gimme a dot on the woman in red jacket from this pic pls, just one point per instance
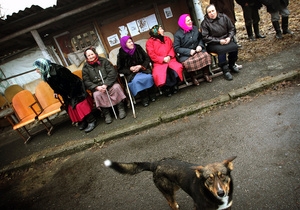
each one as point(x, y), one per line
point(167, 71)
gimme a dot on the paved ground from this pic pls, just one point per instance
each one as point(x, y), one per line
point(262, 130)
point(67, 139)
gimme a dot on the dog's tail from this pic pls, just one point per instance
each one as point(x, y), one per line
point(129, 168)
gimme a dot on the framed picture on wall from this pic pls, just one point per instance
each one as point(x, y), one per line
point(168, 12)
point(113, 40)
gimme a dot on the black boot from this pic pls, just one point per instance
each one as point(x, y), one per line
point(82, 125)
point(225, 69)
point(256, 31)
point(152, 93)
point(121, 109)
point(107, 115)
point(285, 26)
point(90, 126)
point(277, 29)
point(144, 97)
point(250, 33)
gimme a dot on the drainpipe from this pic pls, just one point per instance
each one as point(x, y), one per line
point(198, 11)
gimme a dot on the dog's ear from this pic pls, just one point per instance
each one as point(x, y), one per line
point(198, 170)
point(228, 162)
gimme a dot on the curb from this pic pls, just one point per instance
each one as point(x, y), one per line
point(77, 146)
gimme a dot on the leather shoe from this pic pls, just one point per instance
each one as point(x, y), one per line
point(228, 76)
point(207, 78)
point(82, 125)
point(234, 69)
point(90, 126)
point(259, 36)
point(152, 99)
point(195, 81)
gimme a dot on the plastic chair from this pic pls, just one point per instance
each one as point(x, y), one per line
point(11, 91)
point(50, 105)
point(3, 102)
point(79, 74)
point(27, 109)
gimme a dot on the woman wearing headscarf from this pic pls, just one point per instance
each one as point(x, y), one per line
point(134, 63)
point(78, 102)
point(167, 71)
point(191, 50)
point(100, 77)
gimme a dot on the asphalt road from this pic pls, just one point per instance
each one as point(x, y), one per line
point(262, 130)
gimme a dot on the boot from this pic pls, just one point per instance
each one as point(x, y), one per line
point(152, 93)
point(225, 69)
point(250, 33)
point(285, 26)
point(90, 126)
point(121, 109)
point(277, 29)
point(206, 75)
point(107, 116)
point(83, 124)
point(194, 79)
point(144, 97)
point(256, 31)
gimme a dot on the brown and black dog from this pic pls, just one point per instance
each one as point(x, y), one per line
point(210, 186)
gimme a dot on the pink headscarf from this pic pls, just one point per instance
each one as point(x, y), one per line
point(181, 23)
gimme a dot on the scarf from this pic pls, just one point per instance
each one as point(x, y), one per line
point(182, 25)
point(44, 66)
point(155, 33)
point(96, 61)
point(123, 41)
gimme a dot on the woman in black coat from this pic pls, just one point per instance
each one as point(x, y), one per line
point(277, 8)
point(78, 102)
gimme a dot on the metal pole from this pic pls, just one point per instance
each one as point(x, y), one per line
point(108, 96)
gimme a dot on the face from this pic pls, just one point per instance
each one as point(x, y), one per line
point(211, 12)
point(188, 21)
point(38, 71)
point(161, 31)
point(90, 55)
point(129, 44)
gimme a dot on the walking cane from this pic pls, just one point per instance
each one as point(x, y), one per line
point(108, 96)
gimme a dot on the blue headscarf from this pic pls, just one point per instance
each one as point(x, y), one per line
point(44, 66)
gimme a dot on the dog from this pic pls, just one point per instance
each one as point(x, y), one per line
point(210, 186)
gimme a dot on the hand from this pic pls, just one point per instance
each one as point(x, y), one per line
point(167, 59)
point(198, 49)
point(135, 68)
point(101, 88)
point(193, 52)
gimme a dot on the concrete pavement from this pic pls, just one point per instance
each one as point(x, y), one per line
point(66, 139)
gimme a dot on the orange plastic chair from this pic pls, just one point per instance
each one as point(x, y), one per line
point(26, 108)
point(79, 74)
point(50, 105)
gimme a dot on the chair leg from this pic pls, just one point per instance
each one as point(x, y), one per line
point(22, 136)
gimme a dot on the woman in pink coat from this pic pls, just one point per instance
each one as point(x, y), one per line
point(167, 71)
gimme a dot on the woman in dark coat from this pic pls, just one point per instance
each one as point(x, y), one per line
point(167, 71)
point(78, 102)
point(218, 32)
point(251, 17)
point(277, 8)
point(100, 77)
point(190, 48)
point(134, 63)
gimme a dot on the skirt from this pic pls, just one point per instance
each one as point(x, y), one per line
point(141, 81)
point(197, 61)
point(115, 93)
point(81, 109)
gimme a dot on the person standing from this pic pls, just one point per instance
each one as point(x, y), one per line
point(167, 71)
point(100, 77)
point(277, 8)
point(134, 63)
point(251, 17)
point(78, 102)
point(190, 48)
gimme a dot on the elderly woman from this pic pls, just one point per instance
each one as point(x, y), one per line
point(217, 32)
point(78, 103)
point(191, 50)
point(134, 63)
point(100, 77)
point(167, 71)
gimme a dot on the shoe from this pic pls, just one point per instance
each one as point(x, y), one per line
point(152, 99)
point(228, 76)
point(90, 126)
point(174, 89)
point(207, 78)
point(259, 36)
point(234, 68)
point(238, 66)
point(168, 92)
point(287, 31)
point(107, 116)
point(251, 38)
point(195, 81)
point(145, 103)
point(82, 125)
